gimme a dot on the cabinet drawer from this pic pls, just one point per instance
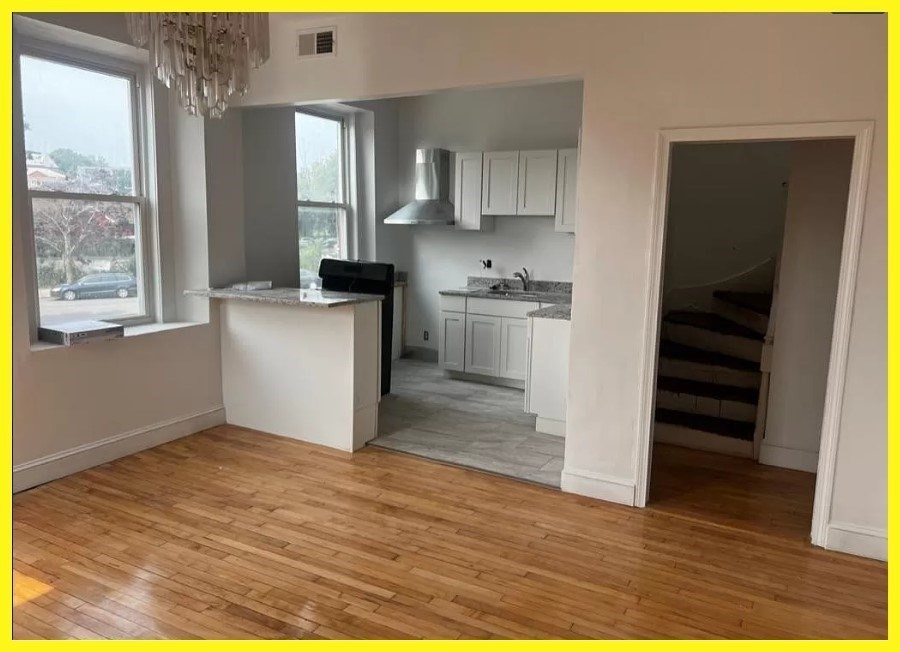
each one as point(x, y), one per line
point(453, 303)
point(500, 307)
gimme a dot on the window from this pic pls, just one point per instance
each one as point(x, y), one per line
point(322, 200)
point(89, 211)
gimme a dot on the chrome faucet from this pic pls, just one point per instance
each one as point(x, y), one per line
point(524, 278)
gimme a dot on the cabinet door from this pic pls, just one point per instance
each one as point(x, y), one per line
point(566, 183)
point(548, 380)
point(452, 346)
point(483, 345)
point(467, 191)
point(513, 348)
point(537, 182)
point(500, 183)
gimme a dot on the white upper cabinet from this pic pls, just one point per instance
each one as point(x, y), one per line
point(537, 182)
point(566, 183)
point(499, 195)
point(467, 189)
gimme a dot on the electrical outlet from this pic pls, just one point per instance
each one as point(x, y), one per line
point(425, 337)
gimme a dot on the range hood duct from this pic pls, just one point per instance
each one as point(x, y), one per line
point(432, 203)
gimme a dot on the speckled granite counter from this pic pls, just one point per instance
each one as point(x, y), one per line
point(510, 295)
point(560, 311)
point(480, 287)
point(289, 296)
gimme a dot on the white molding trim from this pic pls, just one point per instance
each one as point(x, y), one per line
point(598, 485)
point(547, 426)
point(857, 540)
point(840, 339)
point(63, 463)
point(788, 458)
point(670, 433)
point(862, 133)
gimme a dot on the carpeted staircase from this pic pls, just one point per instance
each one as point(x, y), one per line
point(708, 376)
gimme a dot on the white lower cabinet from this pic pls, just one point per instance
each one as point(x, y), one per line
point(488, 337)
point(452, 341)
point(483, 345)
point(513, 348)
point(547, 384)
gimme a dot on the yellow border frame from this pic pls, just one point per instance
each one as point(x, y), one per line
point(893, 244)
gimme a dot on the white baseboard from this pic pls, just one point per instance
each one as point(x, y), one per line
point(63, 463)
point(598, 485)
point(788, 458)
point(550, 426)
point(365, 425)
point(668, 433)
point(857, 540)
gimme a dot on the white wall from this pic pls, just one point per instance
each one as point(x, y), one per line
point(225, 199)
point(392, 244)
point(545, 116)
point(725, 216)
point(642, 72)
point(271, 241)
point(76, 400)
point(807, 289)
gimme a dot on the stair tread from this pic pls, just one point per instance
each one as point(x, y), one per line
point(715, 425)
point(712, 322)
point(711, 390)
point(669, 349)
point(758, 302)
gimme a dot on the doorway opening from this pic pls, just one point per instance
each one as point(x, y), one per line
point(480, 213)
point(756, 240)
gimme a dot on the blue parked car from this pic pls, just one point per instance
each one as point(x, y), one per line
point(96, 286)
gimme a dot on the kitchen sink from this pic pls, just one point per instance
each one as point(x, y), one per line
point(518, 294)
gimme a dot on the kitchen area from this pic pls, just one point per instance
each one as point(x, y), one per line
point(496, 399)
point(488, 237)
point(459, 351)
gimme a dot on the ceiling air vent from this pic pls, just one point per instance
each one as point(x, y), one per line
point(318, 42)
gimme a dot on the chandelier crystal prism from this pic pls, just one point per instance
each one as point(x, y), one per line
point(206, 57)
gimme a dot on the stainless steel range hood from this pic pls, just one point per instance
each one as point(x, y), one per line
point(432, 203)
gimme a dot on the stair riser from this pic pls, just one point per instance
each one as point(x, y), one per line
point(667, 433)
point(712, 407)
point(743, 316)
point(707, 373)
point(700, 338)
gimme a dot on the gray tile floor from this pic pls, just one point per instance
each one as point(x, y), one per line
point(469, 424)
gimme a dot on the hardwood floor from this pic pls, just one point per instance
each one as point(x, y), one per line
point(236, 534)
point(732, 491)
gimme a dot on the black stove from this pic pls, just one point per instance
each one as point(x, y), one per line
point(366, 278)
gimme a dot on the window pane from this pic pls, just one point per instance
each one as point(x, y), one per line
point(321, 235)
point(78, 129)
point(77, 244)
point(319, 155)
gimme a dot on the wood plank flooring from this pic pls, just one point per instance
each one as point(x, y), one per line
point(732, 491)
point(232, 533)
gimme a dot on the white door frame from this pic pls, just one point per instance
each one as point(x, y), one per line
point(861, 132)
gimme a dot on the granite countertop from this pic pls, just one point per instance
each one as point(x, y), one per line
point(556, 295)
point(289, 296)
point(560, 311)
point(510, 295)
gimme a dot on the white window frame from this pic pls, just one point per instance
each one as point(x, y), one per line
point(146, 230)
point(346, 227)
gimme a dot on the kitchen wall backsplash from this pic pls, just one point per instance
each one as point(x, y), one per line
point(557, 287)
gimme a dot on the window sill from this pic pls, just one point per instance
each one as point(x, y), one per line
point(130, 331)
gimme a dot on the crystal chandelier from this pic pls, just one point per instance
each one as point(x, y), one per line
point(207, 56)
